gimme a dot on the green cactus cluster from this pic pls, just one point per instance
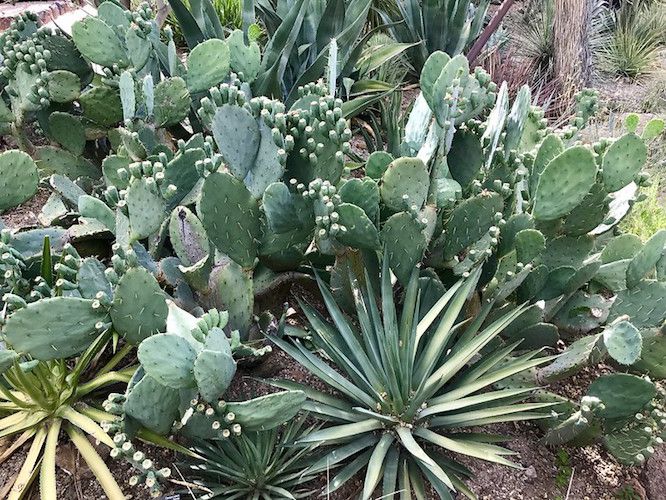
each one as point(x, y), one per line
point(623, 412)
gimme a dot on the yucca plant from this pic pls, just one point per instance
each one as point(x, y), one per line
point(635, 36)
point(409, 382)
point(535, 40)
point(262, 464)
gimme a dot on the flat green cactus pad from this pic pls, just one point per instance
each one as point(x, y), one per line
point(63, 86)
point(207, 65)
point(377, 163)
point(169, 359)
point(469, 221)
point(233, 290)
point(465, 158)
point(98, 42)
point(231, 217)
point(623, 394)
point(405, 183)
point(54, 328)
point(68, 131)
point(564, 183)
point(360, 231)
point(188, 236)
point(172, 102)
point(146, 208)
point(405, 244)
point(653, 354)
point(645, 304)
point(153, 405)
point(245, 59)
point(139, 308)
point(237, 136)
point(624, 246)
point(18, 178)
point(101, 105)
point(267, 412)
point(53, 160)
point(623, 161)
point(623, 341)
point(646, 258)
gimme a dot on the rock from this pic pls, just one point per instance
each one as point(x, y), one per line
point(654, 474)
point(530, 473)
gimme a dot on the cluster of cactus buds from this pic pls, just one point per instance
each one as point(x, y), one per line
point(123, 258)
point(323, 194)
point(141, 17)
point(146, 474)
point(215, 417)
point(28, 54)
point(19, 291)
point(14, 285)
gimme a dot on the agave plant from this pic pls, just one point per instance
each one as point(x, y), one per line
point(410, 381)
point(262, 464)
point(39, 399)
point(436, 25)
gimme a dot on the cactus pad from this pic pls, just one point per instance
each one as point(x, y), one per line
point(139, 308)
point(653, 354)
point(245, 59)
point(207, 65)
point(237, 136)
point(68, 131)
point(405, 243)
point(188, 236)
point(465, 158)
point(18, 178)
point(623, 395)
point(214, 367)
point(646, 258)
point(363, 193)
point(582, 313)
point(267, 412)
point(404, 184)
point(172, 102)
point(359, 232)
point(623, 160)
point(169, 359)
point(54, 328)
point(621, 247)
point(146, 208)
point(469, 221)
point(153, 405)
point(623, 342)
point(629, 446)
point(377, 163)
point(63, 86)
point(232, 289)
point(285, 211)
point(231, 217)
point(575, 357)
point(591, 212)
point(564, 183)
point(53, 160)
point(645, 304)
point(98, 42)
point(102, 105)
